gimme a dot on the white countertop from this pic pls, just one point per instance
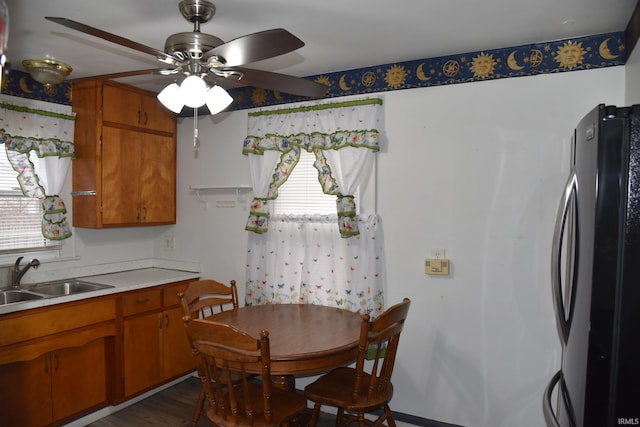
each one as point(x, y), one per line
point(121, 281)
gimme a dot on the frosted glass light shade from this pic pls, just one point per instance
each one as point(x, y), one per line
point(193, 91)
point(171, 98)
point(218, 99)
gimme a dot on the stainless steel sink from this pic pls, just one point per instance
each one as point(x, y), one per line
point(11, 296)
point(53, 289)
point(66, 287)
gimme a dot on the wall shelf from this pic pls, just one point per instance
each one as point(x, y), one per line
point(237, 189)
point(220, 187)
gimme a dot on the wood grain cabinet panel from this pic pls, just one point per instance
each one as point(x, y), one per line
point(136, 108)
point(156, 348)
point(26, 397)
point(124, 173)
point(54, 362)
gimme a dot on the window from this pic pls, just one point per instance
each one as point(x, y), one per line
point(302, 193)
point(20, 216)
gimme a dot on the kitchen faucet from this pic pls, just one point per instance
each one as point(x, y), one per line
point(17, 273)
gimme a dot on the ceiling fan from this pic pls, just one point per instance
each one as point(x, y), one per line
point(198, 57)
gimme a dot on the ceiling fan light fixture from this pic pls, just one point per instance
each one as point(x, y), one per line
point(47, 71)
point(193, 91)
point(218, 99)
point(171, 98)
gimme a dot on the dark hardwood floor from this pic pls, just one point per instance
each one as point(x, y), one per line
point(172, 407)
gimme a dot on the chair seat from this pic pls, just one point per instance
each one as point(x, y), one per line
point(284, 406)
point(335, 388)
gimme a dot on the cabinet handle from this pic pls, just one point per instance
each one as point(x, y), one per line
point(142, 300)
point(139, 116)
point(146, 117)
point(57, 362)
point(166, 323)
point(144, 213)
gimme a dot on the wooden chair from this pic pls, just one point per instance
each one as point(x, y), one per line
point(360, 390)
point(222, 350)
point(201, 299)
point(205, 297)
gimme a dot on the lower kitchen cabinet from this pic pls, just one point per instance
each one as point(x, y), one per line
point(155, 344)
point(55, 362)
point(53, 386)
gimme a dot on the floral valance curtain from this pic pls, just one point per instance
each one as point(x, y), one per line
point(48, 135)
point(343, 136)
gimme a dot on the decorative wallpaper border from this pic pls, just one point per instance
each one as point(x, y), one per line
point(20, 83)
point(604, 50)
point(583, 53)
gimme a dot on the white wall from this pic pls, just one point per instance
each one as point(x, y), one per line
point(475, 168)
point(632, 68)
point(486, 163)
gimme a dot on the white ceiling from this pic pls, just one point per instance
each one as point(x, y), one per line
point(339, 34)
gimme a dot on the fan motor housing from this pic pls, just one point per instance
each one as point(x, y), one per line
point(191, 44)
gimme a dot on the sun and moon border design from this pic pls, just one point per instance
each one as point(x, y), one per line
point(599, 51)
point(575, 54)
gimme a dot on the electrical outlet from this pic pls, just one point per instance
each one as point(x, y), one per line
point(436, 266)
point(169, 243)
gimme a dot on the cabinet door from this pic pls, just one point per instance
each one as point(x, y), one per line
point(158, 179)
point(121, 106)
point(131, 107)
point(78, 378)
point(178, 357)
point(142, 353)
point(26, 393)
point(156, 116)
point(121, 154)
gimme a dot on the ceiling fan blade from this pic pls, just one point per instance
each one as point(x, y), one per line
point(255, 47)
point(278, 82)
point(118, 75)
point(164, 57)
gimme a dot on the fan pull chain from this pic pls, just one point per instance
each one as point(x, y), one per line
point(196, 139)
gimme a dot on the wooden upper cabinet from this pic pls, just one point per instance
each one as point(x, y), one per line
point(136, 108)
point(124, 173)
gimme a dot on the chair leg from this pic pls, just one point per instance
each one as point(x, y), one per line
point(315, 415)
point(199, 407)
point(389, 415)
point(340, 417)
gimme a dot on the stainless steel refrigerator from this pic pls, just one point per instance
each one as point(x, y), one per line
point(596, 276)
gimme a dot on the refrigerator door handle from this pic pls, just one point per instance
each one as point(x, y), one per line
point(547, 408)
point(562, 323)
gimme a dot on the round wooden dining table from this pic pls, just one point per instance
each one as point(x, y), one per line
point(304, 339)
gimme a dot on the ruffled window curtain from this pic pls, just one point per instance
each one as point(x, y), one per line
point(343, 136)
point(334, 260)
point(49, 135)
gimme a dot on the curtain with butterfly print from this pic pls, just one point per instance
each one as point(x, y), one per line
point(302, 260)
point(332, 260)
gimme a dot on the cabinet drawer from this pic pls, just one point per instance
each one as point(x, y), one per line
point(170, 294)
point(141, 301)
